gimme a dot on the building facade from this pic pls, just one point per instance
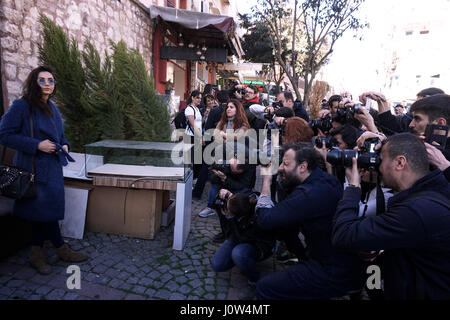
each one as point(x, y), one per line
point(93, 20)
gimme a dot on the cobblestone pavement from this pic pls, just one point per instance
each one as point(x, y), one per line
point(122, 267)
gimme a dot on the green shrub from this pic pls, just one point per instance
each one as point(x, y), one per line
point(115, 99)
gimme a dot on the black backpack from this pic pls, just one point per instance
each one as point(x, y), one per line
point(180, 120)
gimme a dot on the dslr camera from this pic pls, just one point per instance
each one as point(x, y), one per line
point(214, 178)
point(324, 124)
point(367, 157)
point(219, 203)
point(330, 142)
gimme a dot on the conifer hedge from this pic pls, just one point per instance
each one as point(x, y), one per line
point(113, 99)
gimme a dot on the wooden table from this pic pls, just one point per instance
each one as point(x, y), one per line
point(154, 180)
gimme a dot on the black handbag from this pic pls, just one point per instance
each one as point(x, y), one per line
point(17, 183)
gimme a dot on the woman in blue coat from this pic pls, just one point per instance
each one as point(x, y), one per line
point(48, 148)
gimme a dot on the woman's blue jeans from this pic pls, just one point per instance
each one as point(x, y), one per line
point(212, 194)
point(243, 255)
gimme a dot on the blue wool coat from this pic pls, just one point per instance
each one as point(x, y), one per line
point(15, 133)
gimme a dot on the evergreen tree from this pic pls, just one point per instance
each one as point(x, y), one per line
point(101, 96)
point(63, 55)
point(114, 100)
point(145, 115)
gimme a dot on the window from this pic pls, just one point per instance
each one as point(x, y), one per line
point(170, 3)
point(408, 33)
point(424, 32)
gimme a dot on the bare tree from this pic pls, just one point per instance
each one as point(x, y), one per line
point(318, 92)
point(313, 28)
point(325, 21)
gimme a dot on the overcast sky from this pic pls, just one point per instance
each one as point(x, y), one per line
point(354, 63)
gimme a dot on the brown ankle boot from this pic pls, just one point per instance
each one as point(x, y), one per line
point(37, 260)
point(68, 255)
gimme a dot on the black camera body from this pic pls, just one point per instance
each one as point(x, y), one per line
point(330, 142)
point(347, 116)
point(324, 124)
point(219, 203)
point(436, 133)
point(214, 178)
point(225, 168)
point(367, 158)
point(277, 104)
point(269, 116)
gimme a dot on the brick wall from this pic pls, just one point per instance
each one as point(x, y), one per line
point(93, 20)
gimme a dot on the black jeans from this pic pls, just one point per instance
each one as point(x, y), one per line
point(42, 231)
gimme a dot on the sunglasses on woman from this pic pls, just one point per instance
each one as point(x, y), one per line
point(43, 81)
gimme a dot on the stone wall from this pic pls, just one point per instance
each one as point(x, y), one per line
point(93, 20)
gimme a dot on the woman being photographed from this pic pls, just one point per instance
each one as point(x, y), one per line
point(233, 123)
point(47, 149)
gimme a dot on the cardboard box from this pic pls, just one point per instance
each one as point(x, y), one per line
point(130, 212)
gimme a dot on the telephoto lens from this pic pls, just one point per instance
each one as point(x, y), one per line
point(338, 157)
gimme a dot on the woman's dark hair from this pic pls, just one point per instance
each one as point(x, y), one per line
point(194, 93)
point(240, 204)
point(207, 90)
point(32, 91)
point(207, 96)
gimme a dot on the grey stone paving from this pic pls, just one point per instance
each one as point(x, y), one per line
point(128, 268)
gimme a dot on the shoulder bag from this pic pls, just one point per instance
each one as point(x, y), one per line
point(17, 183)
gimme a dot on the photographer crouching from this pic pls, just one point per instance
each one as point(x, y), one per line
point(235, 177)
point(246, 243)
point(323, 272)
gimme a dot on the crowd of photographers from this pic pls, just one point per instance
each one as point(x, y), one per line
point(356, 189)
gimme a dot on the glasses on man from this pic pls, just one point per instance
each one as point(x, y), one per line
point(43, 81)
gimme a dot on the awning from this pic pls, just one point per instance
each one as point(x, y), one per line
point(198, 27)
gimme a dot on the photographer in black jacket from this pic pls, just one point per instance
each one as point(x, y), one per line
point(309, 207)
point(414, 232)
point(389, 123)
point(235, 177)
point(246, 242)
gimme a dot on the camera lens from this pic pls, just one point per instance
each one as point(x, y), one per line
point(341, 157)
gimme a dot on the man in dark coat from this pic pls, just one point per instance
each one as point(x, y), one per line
point(414, 232)
point(391, 124)
point(251, 98)
point(309, 208)
point(430, 110)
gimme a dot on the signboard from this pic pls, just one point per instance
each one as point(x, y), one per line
point(253, 82)
point(182, 53)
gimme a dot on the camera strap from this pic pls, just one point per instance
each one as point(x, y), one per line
point(381, 204)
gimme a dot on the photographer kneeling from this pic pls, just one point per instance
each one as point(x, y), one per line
point(235, 177)
point(246, 243)
point(415, 229)
point(327, 272)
